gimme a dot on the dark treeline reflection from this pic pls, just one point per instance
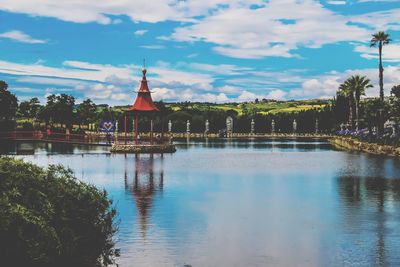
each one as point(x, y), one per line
point(370, 201)
point(269, 144)
point(378, 190)
point(30, 148)
point(145, 183)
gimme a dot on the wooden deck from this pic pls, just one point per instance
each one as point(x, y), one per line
point(117, 144)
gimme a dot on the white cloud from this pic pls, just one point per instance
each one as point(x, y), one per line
point(366, 1)
point(120, 96)
point(325, 86)
point(84, 11)
point(21, 37)
point(380, 20)
point(277, 29)
point(336, 2)
point(26, 90)
point(247, 96)
point(153, 46)
point(321, 87)
point(164, 94)
point(185, 81)
point(49, 81)
point(229, 89)
point(391, 52)
point(104, 81)
point(222, 69)
point(276, 94)
point(140, 32)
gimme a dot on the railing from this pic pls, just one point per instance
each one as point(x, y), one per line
point(89, 139)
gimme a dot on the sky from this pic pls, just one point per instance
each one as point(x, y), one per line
point(195, 50)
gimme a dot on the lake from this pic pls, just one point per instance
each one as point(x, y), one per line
point(245, 203)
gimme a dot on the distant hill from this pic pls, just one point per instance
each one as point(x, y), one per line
point(260, 107)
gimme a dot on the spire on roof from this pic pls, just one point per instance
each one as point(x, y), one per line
point(144, 68)
point(143, 101)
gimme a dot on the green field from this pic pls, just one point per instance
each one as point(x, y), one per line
point(268, 107)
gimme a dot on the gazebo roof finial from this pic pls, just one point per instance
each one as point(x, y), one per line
point(143, 100)
point(144, 70)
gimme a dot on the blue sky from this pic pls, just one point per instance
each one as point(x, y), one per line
point(208, 50)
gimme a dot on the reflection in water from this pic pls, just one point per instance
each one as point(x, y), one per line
point(246, 203)
point(270, 144)
point(373, 197)
point(145, 185)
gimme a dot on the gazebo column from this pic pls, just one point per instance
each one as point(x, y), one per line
point(136, 128)
point(125, 128)
point(151, 128)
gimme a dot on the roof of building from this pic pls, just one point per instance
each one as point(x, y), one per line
point(143, 101)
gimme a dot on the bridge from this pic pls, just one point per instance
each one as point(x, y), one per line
point(79, 139)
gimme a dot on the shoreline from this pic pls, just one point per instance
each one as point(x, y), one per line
point(350, 144)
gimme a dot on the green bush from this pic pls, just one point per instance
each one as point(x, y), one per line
point(49, 218)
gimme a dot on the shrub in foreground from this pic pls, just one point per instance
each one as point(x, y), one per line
point(49, 218)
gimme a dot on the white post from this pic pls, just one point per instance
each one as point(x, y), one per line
point(169, 126)
point(273, 126)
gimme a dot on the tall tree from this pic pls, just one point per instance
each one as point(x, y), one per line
point(59, 109)
point(395, 91)
point(8, 102)
point(346, 90)
point(380, 39)
point(395, 103)
point(86, 112)
point(29, 109)
point(358, 84)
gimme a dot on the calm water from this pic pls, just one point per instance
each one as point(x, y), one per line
point(246, 203)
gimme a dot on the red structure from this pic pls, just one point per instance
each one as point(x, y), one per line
point(143, 105)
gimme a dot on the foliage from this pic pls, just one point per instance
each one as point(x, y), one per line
point(86, 112)
point(395, 91)
point(29, 109)
point(49, 218)
point(353, 88)
point(59, 109)
point(8, 102)
point(380, 39)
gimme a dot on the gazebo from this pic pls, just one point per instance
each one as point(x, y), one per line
point(143, 105)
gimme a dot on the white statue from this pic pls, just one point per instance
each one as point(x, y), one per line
point(252, 126)
point(188, 126)
point(169, 126)
point(229, 124)
point(207, 126)
point(273, 126)
point(294, 126)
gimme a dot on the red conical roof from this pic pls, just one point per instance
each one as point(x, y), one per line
point(143, 100)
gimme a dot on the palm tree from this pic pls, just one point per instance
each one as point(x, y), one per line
point(347, 91)
point(395, 91)
point(359, 84)
point(380, 39)
point(353, 88)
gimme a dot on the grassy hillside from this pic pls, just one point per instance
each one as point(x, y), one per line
point(267, 107)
